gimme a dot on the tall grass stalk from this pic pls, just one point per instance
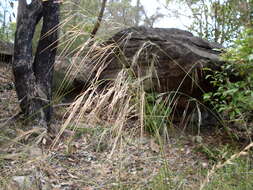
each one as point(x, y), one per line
point(220, 165)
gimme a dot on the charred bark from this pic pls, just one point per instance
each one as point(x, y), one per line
point(25, 81)
point(33, 79)
point(45, 55)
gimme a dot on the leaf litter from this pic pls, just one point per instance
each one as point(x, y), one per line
point(87, 162)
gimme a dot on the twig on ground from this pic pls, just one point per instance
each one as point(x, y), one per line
point(5, 121)
point(63, 104)
point(4, 77)
point(221, 165)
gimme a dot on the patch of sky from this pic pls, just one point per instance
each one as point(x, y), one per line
point(176, 15)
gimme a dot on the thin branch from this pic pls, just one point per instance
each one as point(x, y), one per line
point(3, 77)
point(8, 120)
point(100, 17)
point(62, 105)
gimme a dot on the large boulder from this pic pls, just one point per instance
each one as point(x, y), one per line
point(169, 59)
point(6, 51)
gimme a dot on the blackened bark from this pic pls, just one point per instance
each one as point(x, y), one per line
point(23, 60)
point(45, 55)
point(33, 79)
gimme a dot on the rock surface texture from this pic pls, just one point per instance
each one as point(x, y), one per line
point(169, 59)
point(6, 51)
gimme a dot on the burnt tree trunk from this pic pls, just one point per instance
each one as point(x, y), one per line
point(28, 16)
point(33, 79)
point(45, 55)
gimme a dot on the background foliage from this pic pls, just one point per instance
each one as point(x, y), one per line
point(234, 96)
point(7, 26)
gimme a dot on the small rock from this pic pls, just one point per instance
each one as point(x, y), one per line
point(35, 152)
point(204, 165)
point(21, 182)
point(197, 139)
point(144, 141)
point(29, 182)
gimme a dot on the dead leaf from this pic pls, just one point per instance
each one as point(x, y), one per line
point(154, 146)
point(14, 156)
point(72, 176)
point(44, 141)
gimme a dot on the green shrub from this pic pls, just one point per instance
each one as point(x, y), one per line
point(234, 82)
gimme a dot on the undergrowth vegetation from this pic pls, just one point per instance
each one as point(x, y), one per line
point(234, 83)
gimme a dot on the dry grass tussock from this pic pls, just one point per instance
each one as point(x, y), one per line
point(121, 101)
